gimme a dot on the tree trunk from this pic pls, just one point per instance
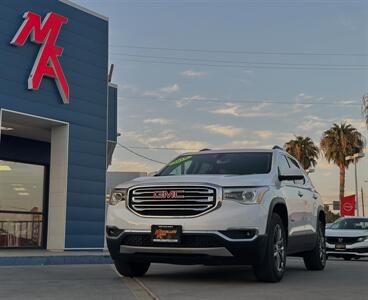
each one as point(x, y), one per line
point(342, 181)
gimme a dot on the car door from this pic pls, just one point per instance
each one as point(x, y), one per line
point(310, 197)
point(294, 201)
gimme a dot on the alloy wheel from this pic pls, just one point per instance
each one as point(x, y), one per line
point(279, 249)
point(322, 246)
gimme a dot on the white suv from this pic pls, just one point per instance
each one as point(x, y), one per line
point(219, 207)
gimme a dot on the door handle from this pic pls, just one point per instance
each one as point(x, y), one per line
point(300, 194)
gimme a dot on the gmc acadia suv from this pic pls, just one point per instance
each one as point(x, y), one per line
point(250, 207)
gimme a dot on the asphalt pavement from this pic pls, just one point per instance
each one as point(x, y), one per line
point(340, 280)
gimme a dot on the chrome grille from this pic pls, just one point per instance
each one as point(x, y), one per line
point(171, 201)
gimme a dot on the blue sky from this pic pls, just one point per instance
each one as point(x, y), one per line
point(190, 100)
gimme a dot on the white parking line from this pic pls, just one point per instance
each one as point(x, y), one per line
point(140, 291)
point(137, 287)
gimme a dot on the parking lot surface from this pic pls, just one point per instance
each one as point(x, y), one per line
point(340, 280)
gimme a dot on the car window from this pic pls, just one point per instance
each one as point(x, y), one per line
point(237, 163)
point(293, 163)
point(284, 165)
point(352, 223)
point(181, 169)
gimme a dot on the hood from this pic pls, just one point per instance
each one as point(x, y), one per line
point(220, 180)
point(346, 232)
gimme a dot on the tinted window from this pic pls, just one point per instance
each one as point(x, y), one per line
point(283, 163)
point(293, 163)
point(356, 223)
point(244, 163)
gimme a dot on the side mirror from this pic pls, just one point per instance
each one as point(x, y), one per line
point(291, 174)
point(310, 170)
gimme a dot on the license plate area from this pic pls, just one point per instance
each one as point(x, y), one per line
point(340, 247)
point(166, 233)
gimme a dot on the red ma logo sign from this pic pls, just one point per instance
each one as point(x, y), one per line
point(47, 62)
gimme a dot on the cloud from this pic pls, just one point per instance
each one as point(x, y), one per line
point(170, 88)
point(246, 144)
point(160, 121)
point(187, 145)
point(247, 111)
point(191, 73)
point(128, 88)
point(162, 91)
point(229, 131)
point(359, 124)
point(268, 134)
point(187, 100)
point(313, 123)
point(148, 138)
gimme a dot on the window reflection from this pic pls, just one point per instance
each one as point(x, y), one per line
point(21, 204)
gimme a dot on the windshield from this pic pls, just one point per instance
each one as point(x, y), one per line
point(356, 223)
point(243, 163)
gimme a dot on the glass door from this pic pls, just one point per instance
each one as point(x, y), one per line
point(22, 208)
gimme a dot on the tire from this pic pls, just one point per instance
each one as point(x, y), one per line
point(347, 257)
point(131, 269)
point(272, 267)
point(315, 260)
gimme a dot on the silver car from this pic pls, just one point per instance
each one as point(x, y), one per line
point(245, 206)
point(347, 237)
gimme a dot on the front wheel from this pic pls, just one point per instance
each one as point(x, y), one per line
point(272, 267)
point(131, 269)
point(315, 260)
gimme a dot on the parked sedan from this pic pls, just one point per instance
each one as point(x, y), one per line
point(347, 237)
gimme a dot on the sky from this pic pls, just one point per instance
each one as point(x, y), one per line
point(236, 74)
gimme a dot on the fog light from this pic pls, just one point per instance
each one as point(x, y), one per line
point(240, 234)
point(113, 231)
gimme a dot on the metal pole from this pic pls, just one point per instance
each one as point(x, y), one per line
point(363, 203)
point(356, 187)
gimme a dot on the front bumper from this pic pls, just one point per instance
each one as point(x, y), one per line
point(230, 215)
point(358, 249)
point(207, 248)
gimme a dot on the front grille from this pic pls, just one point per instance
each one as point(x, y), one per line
point(172, 201)
point(187, 241)
point(342, 240)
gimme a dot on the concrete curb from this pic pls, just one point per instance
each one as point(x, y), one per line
point(55, 260)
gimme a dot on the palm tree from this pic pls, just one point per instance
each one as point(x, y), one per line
point(304, 150)
point(365, 108)
point(337, 143)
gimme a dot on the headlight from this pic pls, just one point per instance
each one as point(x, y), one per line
point(362, 239)
point(118, 196)
point(244, 195)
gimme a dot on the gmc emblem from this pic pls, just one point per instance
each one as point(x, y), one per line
point(167, 195)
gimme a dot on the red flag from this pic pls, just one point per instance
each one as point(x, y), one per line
point(347, 206)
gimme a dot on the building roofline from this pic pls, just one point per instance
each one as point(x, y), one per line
point(86, 10)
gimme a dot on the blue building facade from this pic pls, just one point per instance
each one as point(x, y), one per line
point(73, 141)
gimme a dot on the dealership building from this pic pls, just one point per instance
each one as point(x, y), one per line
point(58, 117)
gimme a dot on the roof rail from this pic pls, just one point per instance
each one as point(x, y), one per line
point(204, 149)
point(277, 147)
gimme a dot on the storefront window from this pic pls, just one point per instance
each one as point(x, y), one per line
point(21, 204)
